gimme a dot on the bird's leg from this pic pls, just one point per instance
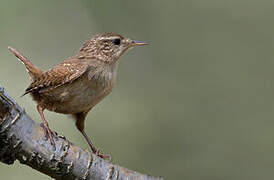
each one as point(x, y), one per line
point(80, 124)
point(93, 148)
point(45, 125)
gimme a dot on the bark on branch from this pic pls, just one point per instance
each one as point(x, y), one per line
point(22, 139)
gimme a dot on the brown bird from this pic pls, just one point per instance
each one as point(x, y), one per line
point(77, 84)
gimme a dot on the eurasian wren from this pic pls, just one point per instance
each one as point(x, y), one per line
point(76, 85)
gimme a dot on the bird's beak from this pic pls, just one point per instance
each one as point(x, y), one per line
point(138, 43)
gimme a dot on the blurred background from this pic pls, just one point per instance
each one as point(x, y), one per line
point(197, 103)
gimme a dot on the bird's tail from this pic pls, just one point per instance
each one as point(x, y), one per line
point(33, 71)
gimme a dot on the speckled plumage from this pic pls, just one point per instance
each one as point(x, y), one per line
point(77, 84)
point(73, 87)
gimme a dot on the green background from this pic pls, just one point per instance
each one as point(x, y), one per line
point(197, 103)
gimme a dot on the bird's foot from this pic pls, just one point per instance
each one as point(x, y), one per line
point(48, 134)
point(102, 155)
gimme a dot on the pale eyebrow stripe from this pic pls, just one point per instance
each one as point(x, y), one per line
point(110, 38)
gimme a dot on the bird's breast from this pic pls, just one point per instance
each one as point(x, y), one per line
point(81, 94)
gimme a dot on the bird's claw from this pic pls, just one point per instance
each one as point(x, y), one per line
point(48, 134)
point(102, 155)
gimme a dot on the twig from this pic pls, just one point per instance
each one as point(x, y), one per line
point(22, 139)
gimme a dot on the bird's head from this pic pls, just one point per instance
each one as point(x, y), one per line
point(108, 47)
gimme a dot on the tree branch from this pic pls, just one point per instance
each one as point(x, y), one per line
point(22, 139)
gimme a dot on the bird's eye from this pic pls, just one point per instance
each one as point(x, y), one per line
point(117, 41)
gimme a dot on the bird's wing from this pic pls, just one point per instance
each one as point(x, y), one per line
point(63, 73)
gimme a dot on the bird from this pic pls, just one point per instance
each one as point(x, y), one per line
point(77, 84)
